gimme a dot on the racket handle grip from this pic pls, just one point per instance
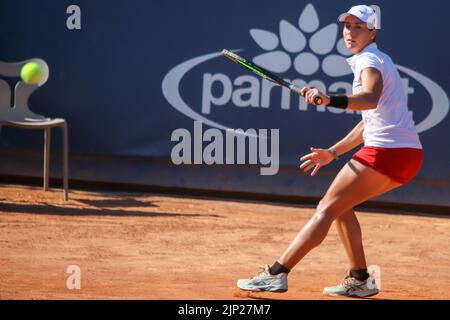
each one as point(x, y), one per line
point(318, 101)
point(297, 89)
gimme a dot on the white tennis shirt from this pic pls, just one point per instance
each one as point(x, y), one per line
point(390, 124)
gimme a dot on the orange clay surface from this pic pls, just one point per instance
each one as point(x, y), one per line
point(153, 246)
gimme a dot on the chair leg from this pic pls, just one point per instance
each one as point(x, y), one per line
point(65, 161)
point(47, 143)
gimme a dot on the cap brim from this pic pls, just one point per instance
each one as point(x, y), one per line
point(342, 17)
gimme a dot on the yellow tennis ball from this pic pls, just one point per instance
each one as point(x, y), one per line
point(31, 73)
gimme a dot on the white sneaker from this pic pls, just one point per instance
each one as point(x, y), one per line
point(351, 287)
point(264, 281)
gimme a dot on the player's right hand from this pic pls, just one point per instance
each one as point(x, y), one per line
point(317, 159)
point(304, 90)
point(310, 94)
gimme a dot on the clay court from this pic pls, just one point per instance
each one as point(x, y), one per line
point(155, 246)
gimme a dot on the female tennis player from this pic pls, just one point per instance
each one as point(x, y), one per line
point(391, 156)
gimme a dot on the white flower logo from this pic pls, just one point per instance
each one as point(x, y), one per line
point(294, 41)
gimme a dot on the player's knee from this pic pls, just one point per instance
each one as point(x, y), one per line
point(322, 216)
point(327, 209)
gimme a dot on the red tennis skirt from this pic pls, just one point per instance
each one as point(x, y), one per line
point(400, 164)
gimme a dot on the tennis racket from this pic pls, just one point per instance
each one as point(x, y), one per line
point(260, 71)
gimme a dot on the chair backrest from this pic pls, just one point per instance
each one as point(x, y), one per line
point(22, 91)
point(5, 95)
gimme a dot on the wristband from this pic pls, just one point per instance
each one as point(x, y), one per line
point(340, 102)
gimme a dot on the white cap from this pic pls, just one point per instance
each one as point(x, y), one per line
point(364, 13)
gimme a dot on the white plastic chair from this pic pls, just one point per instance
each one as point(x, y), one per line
point(20, 115)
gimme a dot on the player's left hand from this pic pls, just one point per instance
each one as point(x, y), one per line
point(317, 159)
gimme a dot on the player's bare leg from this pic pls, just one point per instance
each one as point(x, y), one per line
point(354, 184)
point(350, 234)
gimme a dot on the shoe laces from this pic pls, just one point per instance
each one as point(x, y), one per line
point(262, 270)
point(350, 282)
